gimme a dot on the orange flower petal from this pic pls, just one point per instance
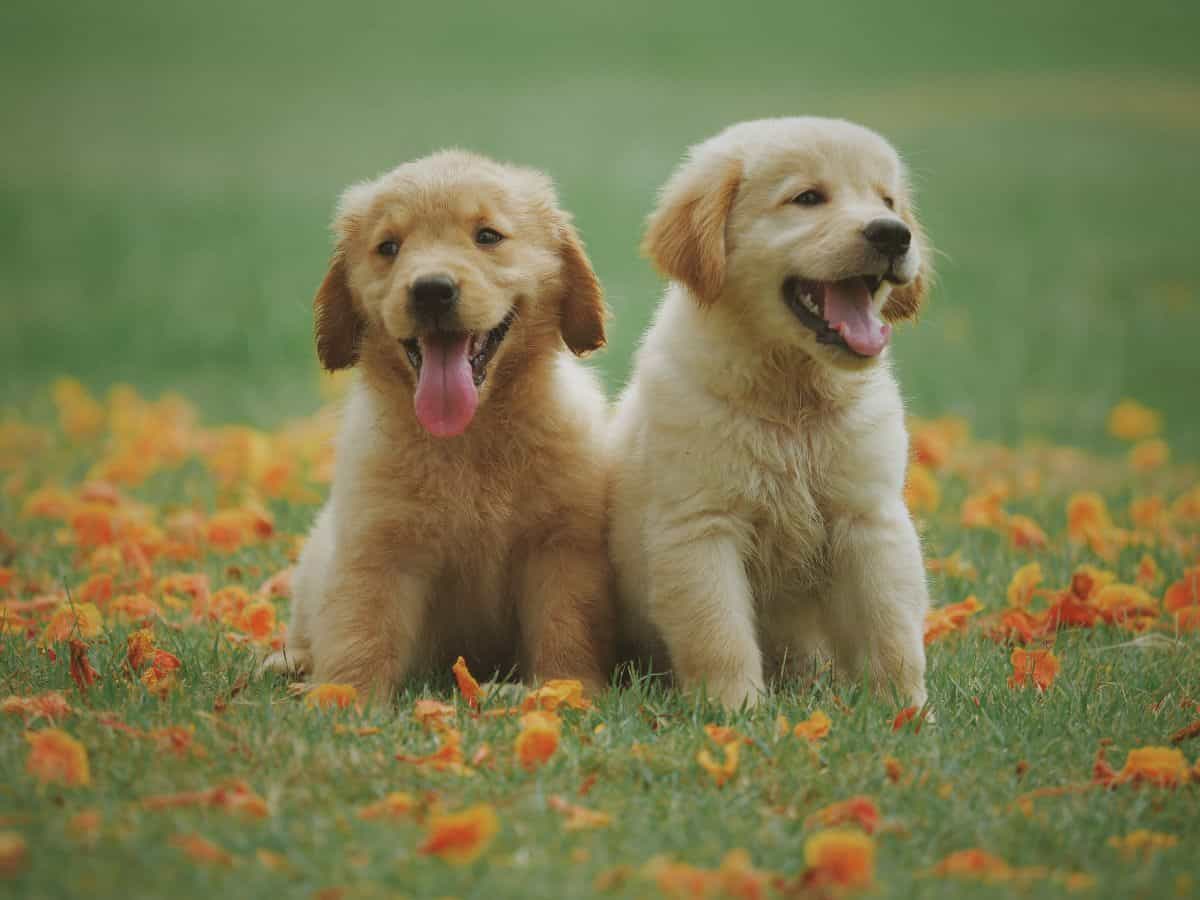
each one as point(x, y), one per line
point(201, 850)
point(1026, 534)
point(234, 796)
point(1131, 421)
point(538, 738)
point(973, 863)
point(395, 805)
point(1185, 592)
point(943, 620)
point(73, 620)
point(903, 717)
point(1039, 667)
point(331, 696)
point(814, 728)
point(432, 712)
point(843, 858)
point(555, 693)
point(893, 768)
point(257, 620)
point(57, 758)
point(1024, 581)
point(1159, 766)
point(447, 758)
point(460, 838)
point(1142, 842)
point(467, 684)
point(860, 810)
point(85, 825)
point(577, 818)
point(921, 491)
point(722, 771)
point(14, 853)
point(1149, 455)
point(51, 706)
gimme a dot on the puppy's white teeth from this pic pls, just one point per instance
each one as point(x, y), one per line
point(809, 304)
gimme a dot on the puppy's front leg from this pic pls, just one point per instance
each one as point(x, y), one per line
point(365, 631)
point(701, 602)
point(566, 611)
point(878, 599)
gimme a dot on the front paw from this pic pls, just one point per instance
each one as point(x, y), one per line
point(294, 663)
point(733, 693)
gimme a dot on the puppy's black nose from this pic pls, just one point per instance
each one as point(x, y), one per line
point(890, 237)
point(433, 295)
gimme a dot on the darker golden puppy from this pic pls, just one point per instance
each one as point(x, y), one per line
point(467, 509)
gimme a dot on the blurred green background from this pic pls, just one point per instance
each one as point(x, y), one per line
point(168, 170)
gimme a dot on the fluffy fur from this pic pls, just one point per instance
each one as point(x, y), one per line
point(757, 515)
point(490, 544)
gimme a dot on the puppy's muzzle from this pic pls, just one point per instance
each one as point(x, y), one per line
point(433, 297)
point(890, 237)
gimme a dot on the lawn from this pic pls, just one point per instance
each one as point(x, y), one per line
point(167, 178)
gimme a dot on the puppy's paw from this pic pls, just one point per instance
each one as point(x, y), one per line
point(286, 662)
point(735, 693)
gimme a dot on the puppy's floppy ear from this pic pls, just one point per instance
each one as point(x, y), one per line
point(905, 302)
point(337, 324)
point(685, 235)
point(582, 309)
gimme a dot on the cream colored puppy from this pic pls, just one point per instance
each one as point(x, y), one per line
point(467, 514)
point(760, 447)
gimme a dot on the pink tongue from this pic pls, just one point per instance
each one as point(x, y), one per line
point(446, 397)
point(848, 311)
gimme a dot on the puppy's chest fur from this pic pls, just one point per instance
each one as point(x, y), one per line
point(469, 523)
point(791, 483)
point(466, 514)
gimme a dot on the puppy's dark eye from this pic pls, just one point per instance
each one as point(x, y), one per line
point(810, 197)
point(889, 202)
point(388, 248)
point(488, 237)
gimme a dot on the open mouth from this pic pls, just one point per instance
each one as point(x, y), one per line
point(840, 313)
point(480, 346)
point(450, 367)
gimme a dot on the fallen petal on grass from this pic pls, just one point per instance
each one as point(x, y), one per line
point(814, 728)
point(331, 696)
point(57, 758)
point(396, 805)
point(840, 858)
point(723, 770)
point(860, 810)
point(467, 685)
point(538, 738)
point(201, 850)
point(461, 837)
point(14, 854)
point(1033, 667)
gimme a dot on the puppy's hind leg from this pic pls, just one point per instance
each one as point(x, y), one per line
point(307, 589)
point(878, 600)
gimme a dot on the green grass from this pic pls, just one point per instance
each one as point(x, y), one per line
point(958, 791)
point(166, 180)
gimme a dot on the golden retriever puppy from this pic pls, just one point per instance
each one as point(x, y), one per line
point(760, 447)
point(467, 513)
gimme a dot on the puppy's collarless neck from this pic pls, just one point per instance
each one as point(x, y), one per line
point(779, 384)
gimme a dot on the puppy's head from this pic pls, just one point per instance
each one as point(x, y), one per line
point(803, 228)
point(458, 268)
